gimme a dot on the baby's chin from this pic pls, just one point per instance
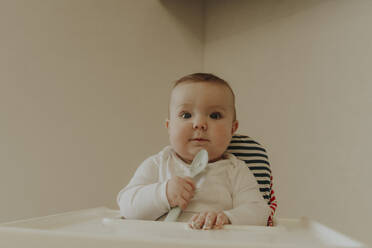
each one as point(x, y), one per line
point(189, 156)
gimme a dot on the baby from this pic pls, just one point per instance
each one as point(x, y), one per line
point(201, 116)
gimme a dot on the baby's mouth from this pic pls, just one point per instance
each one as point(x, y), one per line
point(199, 139)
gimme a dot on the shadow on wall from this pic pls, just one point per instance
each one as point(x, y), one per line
point(259, 13)
point(182, 10)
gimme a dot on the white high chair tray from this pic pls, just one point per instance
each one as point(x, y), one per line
point(102, 227)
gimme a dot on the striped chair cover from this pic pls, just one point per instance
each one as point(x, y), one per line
point(254, 155)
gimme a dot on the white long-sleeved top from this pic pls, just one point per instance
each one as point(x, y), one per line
point(225, 185)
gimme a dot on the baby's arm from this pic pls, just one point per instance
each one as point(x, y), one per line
point(144, 197)
point(249, 207)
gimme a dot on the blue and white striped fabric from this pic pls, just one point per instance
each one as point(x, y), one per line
point(255, 156)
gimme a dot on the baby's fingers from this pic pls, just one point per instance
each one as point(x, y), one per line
point(198, 221)
point(187, 187)
point(190, 182)
point(193, 220)
point(187, 196)
point(182, 203)
point(221, 220)
point(209, 220)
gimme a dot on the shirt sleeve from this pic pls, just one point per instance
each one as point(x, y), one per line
point(249, 207)
point(144, 197)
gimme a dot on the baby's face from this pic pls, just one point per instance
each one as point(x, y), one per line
point(201, 117)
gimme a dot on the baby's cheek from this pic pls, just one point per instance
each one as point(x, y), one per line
point(178, 134)
point(223, 133)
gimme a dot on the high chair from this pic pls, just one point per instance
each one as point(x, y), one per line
point(255, 156)
point(103, 227)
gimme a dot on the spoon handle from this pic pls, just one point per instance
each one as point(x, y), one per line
point(173, 214)
point(198, 164)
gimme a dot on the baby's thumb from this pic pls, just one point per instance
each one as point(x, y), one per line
point(190, 181)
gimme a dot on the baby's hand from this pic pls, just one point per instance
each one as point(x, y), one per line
point(209, 220)
point(180, 191)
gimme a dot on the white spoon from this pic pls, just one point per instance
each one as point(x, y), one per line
point(198, 164)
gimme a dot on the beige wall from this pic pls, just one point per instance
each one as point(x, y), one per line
point(302, 74)
point(83, 96)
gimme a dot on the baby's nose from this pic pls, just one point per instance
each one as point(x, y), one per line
point(200, 124)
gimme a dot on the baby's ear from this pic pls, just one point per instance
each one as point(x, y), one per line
point(235, 126)
point(167, 123)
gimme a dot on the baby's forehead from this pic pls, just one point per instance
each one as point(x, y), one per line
point(204, 105)
point(202, 89)
point(205, 94)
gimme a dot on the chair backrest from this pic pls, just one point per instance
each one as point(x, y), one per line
point(255, 156)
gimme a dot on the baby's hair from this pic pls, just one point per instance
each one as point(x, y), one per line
point(206, 77)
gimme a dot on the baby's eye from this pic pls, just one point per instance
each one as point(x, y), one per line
point(215, 115)
point(186, 115)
